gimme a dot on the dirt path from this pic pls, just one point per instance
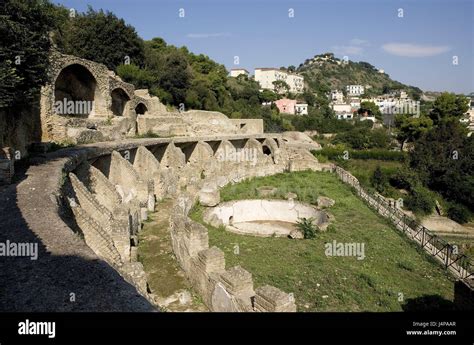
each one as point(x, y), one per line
point(165, 278)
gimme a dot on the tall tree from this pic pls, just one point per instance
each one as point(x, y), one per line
point(102, 37)
point(24, 28)
point(411, 128)
point(444, 160)
point(447, 106)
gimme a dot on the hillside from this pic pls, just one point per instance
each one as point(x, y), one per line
point(325, 72)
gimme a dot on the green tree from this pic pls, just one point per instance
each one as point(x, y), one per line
point(281, 86)
point(411, 128)
point(24, 28)
point(268, 96)
point(379, 180)
point(176, 76)
point(444, 161)
point(448, 106)
point(141, 78)
point(371, 108)
point(102, 37)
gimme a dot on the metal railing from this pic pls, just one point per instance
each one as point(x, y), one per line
point(458, 264)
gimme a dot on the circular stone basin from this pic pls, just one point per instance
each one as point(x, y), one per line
point(263, 218)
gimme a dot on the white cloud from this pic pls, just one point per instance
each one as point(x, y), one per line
point(347, 50)
point(414, 50)
point(208, 35)
point(359, 42)
point(356, 46)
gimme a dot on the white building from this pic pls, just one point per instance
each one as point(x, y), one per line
point(343, 111)
point(301, 109)
point(393, 105)
point(336, 96)
point(266, 77)
point(235, 72)
point(355, 103)
point(345, 116)
point(342, 108)
point(355, 90)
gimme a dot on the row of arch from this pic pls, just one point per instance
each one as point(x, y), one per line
point(77, 84)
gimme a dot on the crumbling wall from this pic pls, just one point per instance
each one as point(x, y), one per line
point(109, 210)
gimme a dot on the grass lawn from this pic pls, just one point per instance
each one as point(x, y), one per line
point(394, 275)
point(363, 169)
point(155, 252)
point(465, 244)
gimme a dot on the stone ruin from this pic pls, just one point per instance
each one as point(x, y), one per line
point(115, 182)
point(111, 193)
point(85, 102)
point(264, 218)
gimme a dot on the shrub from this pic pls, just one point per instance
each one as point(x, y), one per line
point(459, 213)
point(380, 154)
point(420, 200)
point(404, 179)
point(379, 180)
point(337, 151)
point(364, 138)
point(307, 227)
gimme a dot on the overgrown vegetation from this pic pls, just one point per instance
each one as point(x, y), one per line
point(438, 168)
point(24, 28)
point(307, 227)
point(330, 75)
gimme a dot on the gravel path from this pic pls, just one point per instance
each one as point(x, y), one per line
point(66, 268)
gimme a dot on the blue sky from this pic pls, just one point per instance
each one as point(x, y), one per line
point(416, 49)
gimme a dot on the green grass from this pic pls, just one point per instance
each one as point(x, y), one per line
point(465, 244)
point(363, 169)
point(392, 264)
point(155, 252)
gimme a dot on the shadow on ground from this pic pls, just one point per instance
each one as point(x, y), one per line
point(428, 303)
point(65, 264)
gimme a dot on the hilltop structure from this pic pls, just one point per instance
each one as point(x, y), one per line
point(235, 72)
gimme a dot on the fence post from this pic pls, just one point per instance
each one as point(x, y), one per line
point(448, 250)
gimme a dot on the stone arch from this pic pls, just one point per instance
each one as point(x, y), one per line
point(76, 92)
point(270, 148)
point(141, 109)
point(120, 102)
point(266, 150)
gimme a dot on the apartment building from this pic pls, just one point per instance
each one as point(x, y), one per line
point(266, 77)
point(336, 96)
point(355, 90)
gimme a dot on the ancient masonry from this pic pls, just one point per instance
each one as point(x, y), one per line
point(104, 190)
point(110, 195)
point(113, 183)
point(85, 102)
